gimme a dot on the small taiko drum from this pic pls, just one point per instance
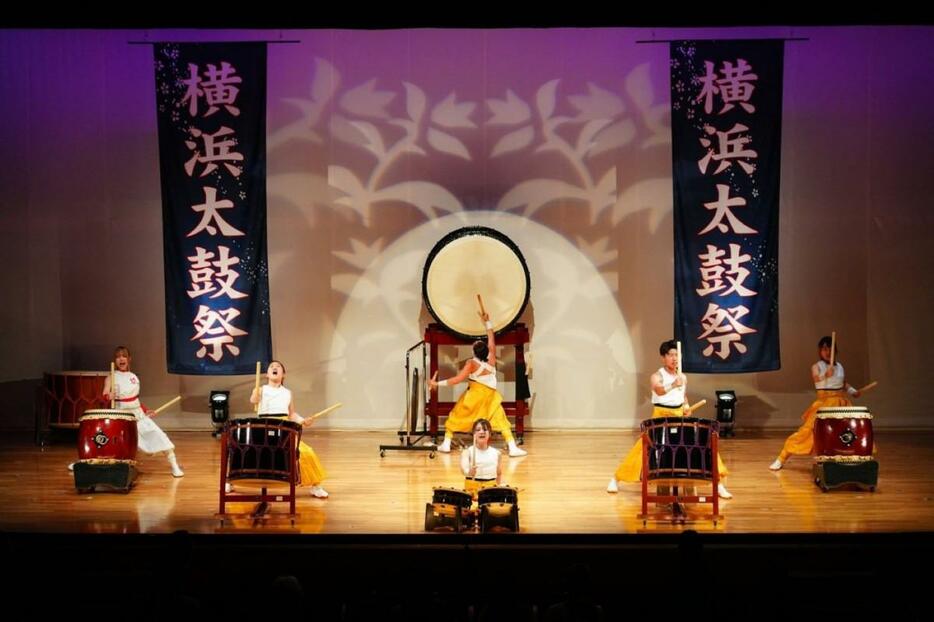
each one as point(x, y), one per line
point(499, 509)
point(452, 496)
point(843, 431)
point(498, 494)
point(449, 510)
point(106, 436)
point(65, 395)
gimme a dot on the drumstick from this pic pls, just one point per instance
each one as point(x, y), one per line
point(691, 409)
point(480, 300)
point(326, 411)
point(679, 357)
point(868, 386)
point(113, 388)
point(256, 388)
point(833, 345)
point(175, 399)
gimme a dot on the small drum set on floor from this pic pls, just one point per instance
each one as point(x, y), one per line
point(107, 442)
point(679, 456)
point(452, 509)
point(843, 445)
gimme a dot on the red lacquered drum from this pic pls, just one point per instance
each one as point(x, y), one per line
point(107, 436)
point(843, 431)
point(65, 395)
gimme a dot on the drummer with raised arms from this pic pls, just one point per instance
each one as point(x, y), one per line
point(669, 399)
point(275, 400)
point(481, 400)
point(832, 391)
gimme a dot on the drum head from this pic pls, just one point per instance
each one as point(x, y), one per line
point(497, 494)
point(92, 414)
point(843, 412)
point(452, 496)
point(471, 261)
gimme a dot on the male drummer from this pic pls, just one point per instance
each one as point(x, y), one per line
point(481, 400)
point(669, 396)
point(832, 391)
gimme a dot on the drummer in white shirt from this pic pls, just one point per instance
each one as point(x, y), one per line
point(832, 391)
point(481, 463)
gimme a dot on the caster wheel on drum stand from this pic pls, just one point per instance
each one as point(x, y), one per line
point(431, 455)
point(382, 453)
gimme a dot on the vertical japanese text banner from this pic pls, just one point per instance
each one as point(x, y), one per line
point(726, 124)
point(211, 108)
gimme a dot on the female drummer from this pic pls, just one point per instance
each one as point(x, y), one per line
point(481, 400)
point(832, 391)
point(481, 463)
point(125, 392)
point(275, 400)
point(669, 395)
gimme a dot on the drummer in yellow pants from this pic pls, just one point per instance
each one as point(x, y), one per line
point(832, 391)
point(275, 400)
point(481, 400)
point(669, 394)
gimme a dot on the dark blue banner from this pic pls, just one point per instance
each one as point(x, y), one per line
point(726, 127)
point(211, 107)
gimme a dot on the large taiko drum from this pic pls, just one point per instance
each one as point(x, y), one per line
point(843, 431)
point(106, 436)
point(65, 395)
point(471, 261)
point(680, 448)
point(260, 448)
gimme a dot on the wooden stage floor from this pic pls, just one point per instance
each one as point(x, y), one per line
point(561, 486)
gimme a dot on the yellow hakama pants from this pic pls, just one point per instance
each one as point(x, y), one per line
point(478, 402)
point(310, 470)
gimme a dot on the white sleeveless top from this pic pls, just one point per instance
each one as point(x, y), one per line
point(274, 400)
point(126, 389)
point(484, 379)
point(673, 398)
point(835, 382)
point(485, 459)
